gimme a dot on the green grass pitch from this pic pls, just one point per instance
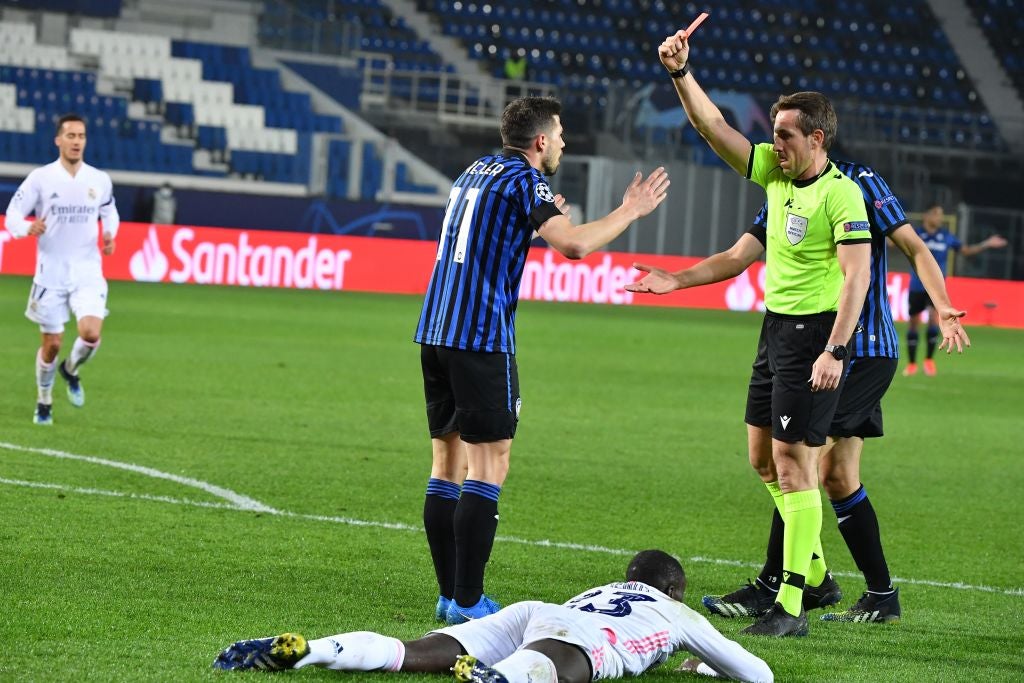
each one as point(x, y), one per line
point(127, 563)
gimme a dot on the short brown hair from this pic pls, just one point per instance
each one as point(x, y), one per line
point(527, 117)
point(816, 113)
point(68, 118)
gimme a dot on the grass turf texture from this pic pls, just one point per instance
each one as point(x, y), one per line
point(631, 437)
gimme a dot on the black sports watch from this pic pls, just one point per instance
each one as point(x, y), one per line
point(838, 351)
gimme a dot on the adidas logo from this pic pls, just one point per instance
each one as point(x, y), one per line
point(784, 419)
point(337, 646)
point(54, 196)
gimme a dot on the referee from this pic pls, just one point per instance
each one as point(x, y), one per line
point(818, 265)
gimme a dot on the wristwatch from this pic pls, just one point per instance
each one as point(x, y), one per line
point(838, 351)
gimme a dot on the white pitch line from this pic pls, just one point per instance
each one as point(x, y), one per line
point(118, 494)
point(397, 526)
point(239, 501)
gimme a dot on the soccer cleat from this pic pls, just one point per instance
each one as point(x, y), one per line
point(468, 669)
point(76, 394)
point(43, 415)
point(871, 608)
point(752, 600)
point(911, 369)
point(457, 614)
point(828, 593)
point(441, 611)
point(929, 367)
point(268, 654)
point(778, 622)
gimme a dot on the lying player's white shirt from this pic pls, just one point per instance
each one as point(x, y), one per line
point(644, 627)
point(68, 255)
point(623, 628)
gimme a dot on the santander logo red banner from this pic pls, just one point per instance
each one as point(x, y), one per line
point(257, 258)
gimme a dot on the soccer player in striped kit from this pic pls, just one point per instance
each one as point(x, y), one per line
point(874, 350)
point(67, 198)
point(940, 242)
point(467, 334)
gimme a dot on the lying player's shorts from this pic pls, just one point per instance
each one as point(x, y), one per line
point(495, 637)
point(51, 308)
point(472, 392)
point(860, 403)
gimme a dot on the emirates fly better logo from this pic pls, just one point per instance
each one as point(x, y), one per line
point(149, 263)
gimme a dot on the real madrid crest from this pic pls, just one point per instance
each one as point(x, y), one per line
point(92, 193)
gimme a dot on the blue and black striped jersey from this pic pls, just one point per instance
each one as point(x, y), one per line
point(493, 209)
point(876, 333)
point(940, 243)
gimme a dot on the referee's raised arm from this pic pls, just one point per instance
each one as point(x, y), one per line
point(729, 144)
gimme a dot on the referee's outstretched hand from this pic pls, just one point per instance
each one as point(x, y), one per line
point(657, 281)
point(674, 50)
point(644, 195)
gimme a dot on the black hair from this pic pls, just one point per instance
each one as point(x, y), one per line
point(68, 118)
point(527, 117)
point(657, 569)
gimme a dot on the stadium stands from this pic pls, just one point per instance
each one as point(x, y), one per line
point(1003, 24)
point(894, 59)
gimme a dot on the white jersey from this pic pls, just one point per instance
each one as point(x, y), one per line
point(644, 627)
point(72, 206)
point(624, 629)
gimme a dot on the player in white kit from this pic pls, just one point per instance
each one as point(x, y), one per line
point(612, 631)
point(67, 198)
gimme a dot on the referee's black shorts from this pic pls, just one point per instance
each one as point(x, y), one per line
point(860, 400)
point(475, 393)
point(779, 394)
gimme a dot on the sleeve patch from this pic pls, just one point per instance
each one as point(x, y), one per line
point(879, 203)
point(543, 192)
point(856, 225)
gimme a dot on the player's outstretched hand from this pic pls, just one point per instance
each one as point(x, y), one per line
point(953, 333)
point(674, 51)
point(644, 195)
point(996, 242)
point(38, 227)
point(657, 281)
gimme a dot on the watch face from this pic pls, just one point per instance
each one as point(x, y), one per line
point(839, 352)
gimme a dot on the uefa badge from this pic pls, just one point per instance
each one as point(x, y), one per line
point(796, 228)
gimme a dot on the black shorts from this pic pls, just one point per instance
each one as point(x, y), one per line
point(917, 302)
point(471, 392)
point(780, 393)
point(860, 400)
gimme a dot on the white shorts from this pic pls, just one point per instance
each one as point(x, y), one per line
point(495, 637)
point(51, 308)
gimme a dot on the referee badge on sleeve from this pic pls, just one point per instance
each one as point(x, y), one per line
point(796, 228)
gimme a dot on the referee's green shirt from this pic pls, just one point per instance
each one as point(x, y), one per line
point(806, 220)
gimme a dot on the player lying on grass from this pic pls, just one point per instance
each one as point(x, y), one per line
point(610, 631)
